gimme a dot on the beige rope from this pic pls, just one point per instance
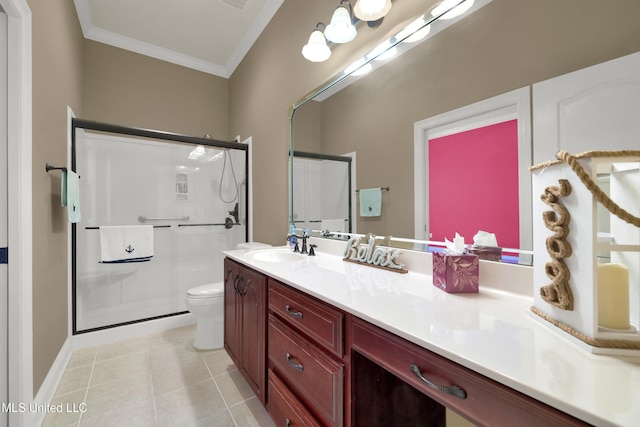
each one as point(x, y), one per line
point(592, 186)
point(558, 292)
point(595, 342)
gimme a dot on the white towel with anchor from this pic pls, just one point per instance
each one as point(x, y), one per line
point(127, 243)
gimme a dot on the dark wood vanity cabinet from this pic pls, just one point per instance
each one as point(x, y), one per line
point(306, 359)
point(245, 315)
point(313, 365)
point(437, 383)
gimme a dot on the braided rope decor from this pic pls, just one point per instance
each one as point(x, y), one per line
point(592, 186)
point(595, 342)
point(556, 249)
point(558, 292)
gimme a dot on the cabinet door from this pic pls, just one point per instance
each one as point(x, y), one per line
point(231, 312)
point(252, 287)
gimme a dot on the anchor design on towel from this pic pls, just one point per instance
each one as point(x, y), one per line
point(129, 249)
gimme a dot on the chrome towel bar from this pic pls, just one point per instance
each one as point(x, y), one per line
point(143, 218)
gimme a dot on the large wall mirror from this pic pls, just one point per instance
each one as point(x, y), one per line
point(467, 76)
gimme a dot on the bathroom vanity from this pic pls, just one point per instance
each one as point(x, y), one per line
point(346, 344)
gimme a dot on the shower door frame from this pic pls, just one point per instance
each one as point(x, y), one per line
point(143, 133)
point(319, 156)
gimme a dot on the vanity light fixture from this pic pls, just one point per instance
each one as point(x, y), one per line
point(362, 70)
point(383, 51)
point(316, 49)
point(458, 7)
point(341, 28)
point(413, 33)
point(371, 10)
point(358, 68)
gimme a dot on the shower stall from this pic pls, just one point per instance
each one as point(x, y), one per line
point(322, 192)
point(191, 191)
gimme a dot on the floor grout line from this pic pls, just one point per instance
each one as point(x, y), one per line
point(153, 391)
point(179, 339)
point(86, 392)
point(226, 405)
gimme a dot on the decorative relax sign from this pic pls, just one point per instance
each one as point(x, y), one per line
point(374, 256)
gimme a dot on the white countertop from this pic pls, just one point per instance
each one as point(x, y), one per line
point(491, 332)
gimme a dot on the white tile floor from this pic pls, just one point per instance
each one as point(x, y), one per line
point(156, 380)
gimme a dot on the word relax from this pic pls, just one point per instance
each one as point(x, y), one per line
point(370, 254)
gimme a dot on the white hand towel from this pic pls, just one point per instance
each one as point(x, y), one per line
point(71, 195)
point(370, 201)
point(128, 243)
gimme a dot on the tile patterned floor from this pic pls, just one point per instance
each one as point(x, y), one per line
point(157, 380)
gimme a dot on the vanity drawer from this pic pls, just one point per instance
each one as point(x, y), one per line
point(320, 322)
point(313, 375)
point(284, 407)
point(480, 399)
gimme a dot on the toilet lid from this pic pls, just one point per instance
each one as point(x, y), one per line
point(209, 290)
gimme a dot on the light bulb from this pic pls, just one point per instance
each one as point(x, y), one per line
point(340, 30)
point(316, 49)
point(371, 10)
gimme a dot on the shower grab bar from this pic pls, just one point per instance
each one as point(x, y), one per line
point(155, 226)
point(208, 225)
point(179, 225)
point(143, 218)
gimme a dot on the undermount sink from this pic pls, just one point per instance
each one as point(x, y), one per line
point(275, 255)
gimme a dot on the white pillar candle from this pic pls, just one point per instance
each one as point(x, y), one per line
point(613, 296)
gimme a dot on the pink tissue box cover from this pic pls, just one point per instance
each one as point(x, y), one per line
point(455, 273)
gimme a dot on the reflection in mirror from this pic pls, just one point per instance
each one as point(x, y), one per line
point(321, 127)
point(484, 151)
point(322, 193)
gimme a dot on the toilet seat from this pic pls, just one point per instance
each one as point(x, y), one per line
point(210, 290)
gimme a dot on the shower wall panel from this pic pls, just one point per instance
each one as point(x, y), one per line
point(320, 192)
point(188, 192)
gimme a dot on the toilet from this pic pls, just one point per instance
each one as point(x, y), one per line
point(207, 303)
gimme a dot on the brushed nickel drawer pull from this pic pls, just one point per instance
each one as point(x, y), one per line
point(296, 314)
point(453, 390)
point(296, 366)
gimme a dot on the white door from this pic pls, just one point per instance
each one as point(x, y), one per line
point(4, 382)
point(596, 108)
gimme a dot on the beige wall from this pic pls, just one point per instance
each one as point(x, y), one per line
point(104, 84)
point(128, 89)
point(506, 45)
point(57, 77)
point(271, 78)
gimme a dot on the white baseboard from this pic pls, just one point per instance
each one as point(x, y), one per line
point(52, 380)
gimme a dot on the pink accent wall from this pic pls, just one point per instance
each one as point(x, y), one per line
point(481, 190)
